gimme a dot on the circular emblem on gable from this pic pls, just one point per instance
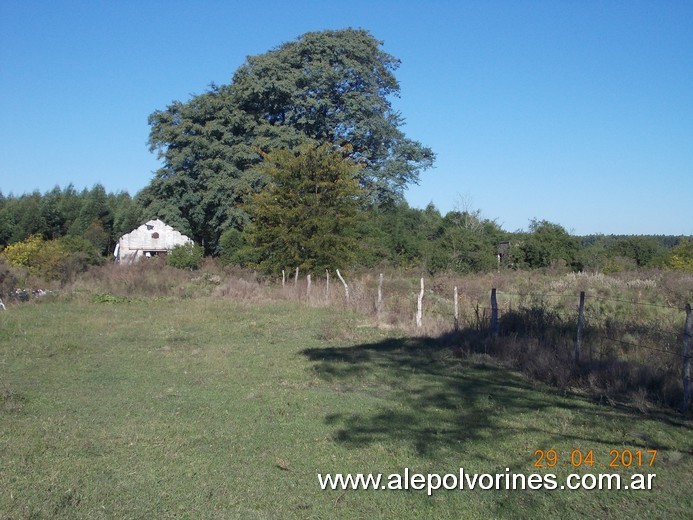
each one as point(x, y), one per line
point(155, 235)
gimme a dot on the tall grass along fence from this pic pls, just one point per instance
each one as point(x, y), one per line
point(615, 346)
point(618, 348)
point(622, 337)
point(619, 345)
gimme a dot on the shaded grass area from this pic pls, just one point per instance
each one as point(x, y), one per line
point(634, 360)
point(468, 412)
point(208, 409)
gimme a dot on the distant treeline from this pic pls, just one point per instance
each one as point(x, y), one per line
point(300, 162)
point(87, 224)
point(93, 214)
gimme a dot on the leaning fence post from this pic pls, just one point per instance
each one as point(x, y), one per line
point(457, 311)
point(687, 360)
point(494, 313)
point(580, 324)
point(346, 287)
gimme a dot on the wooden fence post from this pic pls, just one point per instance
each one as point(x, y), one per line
point(308, 288)
point(346, 287)
point(296, 278)
point(419, 307)
point(379, 305)
point(494, 313)
point(687, 360)
point(327, 285)
point(580, 324)
point(457, 311)
point(283, 278)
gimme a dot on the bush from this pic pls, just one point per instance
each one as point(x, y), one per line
point(24, 253)
point(682, 256)
point(186, 256)
point(40, 257)
point(645, 251)
point(58, 259)
point(235, 249)
point(8, 279)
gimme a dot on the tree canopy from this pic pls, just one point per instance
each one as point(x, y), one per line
point(545, 244)
point(306, 215)
point(71, 228)
point(325, 87)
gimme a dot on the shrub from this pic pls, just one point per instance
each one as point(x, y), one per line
point(58, 259)
point(645, 251)
point(186, 256)
point(8, 279)
point(682, 256)
point(235, 249)
point(24, 253)
point(40, 257)
point(546, 243)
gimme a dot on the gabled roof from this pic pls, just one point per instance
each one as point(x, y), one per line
point(154, 235)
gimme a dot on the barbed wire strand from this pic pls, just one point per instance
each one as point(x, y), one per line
point(637, 345)
point(601, 298)
point(480, 296)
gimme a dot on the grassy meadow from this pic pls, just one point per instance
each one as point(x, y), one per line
point(189, 405)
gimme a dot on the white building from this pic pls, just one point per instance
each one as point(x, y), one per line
point(150, 239)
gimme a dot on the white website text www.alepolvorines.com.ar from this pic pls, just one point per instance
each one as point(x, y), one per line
point(485, 481)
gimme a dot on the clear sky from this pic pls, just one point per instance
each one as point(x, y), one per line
point(577, 112)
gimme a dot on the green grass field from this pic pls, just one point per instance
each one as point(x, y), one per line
point(162, 408)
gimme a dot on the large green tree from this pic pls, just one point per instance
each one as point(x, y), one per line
point(545, 244)
point(307, 213)
point(470, 241)
point(646, 251)
point(329, 86)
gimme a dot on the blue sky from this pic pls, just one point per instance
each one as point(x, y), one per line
point(577, 112)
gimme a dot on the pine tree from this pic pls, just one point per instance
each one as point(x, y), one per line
point(306, 215)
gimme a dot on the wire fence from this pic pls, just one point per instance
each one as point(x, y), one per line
point(615, 346)
point(623, 344)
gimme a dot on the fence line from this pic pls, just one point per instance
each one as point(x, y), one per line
point(591, 297)
point(580, 336)
point(646, 304)
point(580, 322)
point(638, 345)
point(553, 323)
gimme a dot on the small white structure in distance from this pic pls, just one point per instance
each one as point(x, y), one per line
point(150, 239)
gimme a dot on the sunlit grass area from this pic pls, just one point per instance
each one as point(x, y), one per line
point(204, 408)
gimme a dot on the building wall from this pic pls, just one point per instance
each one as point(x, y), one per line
point(151, 238)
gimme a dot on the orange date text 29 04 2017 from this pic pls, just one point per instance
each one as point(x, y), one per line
point(577, 458)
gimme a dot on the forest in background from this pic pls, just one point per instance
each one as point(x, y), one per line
point(300, 162)
point(62, 232)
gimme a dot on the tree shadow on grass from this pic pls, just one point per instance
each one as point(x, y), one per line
point(432, 398)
